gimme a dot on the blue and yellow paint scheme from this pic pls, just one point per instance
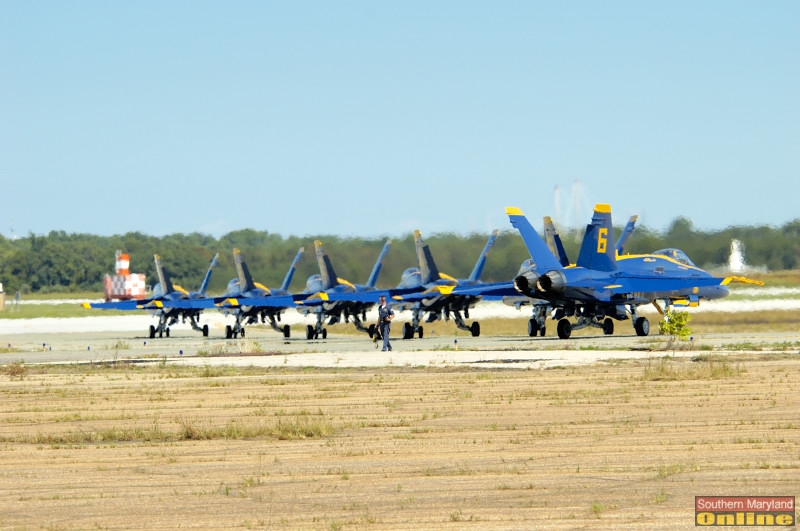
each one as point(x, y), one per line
point(250, 302)
point(602, 287)
point(332, 298)
point(169, 302)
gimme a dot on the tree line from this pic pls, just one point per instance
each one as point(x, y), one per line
point(62, 263)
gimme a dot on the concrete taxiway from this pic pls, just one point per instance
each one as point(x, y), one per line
point(74, 342)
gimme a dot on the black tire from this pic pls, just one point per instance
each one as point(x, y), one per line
point(419, 332)
point(286, 331)
point(564, 329)
point(228, 332)
point(542, 330)
point(408, 331)
point(371, 331)
point(167, 331)
point(642, 326)
point(241, 333)
point(205, 330)
point(324, 333)
point(608, 326)
point(533, 327)
point(309, 332)
point(475, 329)
point(152, 331)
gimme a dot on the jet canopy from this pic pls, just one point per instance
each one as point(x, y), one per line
point(676, 254)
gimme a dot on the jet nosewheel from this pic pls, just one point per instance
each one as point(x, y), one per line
point(286, 331)
point(642, 326)
point(475, 329)
point(205, 330)
point(608, 326)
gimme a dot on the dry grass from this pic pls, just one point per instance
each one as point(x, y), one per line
point(619, 446)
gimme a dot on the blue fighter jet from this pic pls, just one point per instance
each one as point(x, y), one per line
point(333, 298)
point(425, 289)
point(169, 302)
point(600, 288)
point(249, 301)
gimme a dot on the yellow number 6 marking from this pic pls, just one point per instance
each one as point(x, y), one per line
point(602, 240)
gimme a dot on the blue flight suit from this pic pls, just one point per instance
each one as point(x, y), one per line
point(385, 324)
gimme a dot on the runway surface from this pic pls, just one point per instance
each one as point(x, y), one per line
point(103, 339)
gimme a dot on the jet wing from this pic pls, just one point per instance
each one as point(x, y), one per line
point(660, 285)
point(114, 305)
point(270, 301)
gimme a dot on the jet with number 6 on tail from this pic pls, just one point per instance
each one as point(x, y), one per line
point(601, 288)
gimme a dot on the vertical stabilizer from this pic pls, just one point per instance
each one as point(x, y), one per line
point(427, 267)
point(598, 251)
point(373, 277)
point(245, 279)
point(163, 277)
point(292, 268)
point(626, 233)
point(479, 265)
point(544, 260)
point(207, 279)
point(329, 278)
point(554, 242)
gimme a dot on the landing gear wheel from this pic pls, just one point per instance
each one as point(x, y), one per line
point(241, 333)
point(228, 332)
point(608, 326)
point(167, 331)
point(642, 326)
point(286, 331)
point(309, 332)
point(564, 329)
point(419, 333)
point(324, 333)
point(533, 327)
point(205, 330)
point(152, 331)
point(542, 330)
point(408, 331)
point(475, 329)
point(371, 331)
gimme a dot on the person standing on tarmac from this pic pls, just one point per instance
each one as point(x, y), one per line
point(385, 316)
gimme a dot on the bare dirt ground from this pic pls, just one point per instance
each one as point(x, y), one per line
point(611, 445)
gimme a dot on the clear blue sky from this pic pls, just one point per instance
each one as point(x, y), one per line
point(376, 118)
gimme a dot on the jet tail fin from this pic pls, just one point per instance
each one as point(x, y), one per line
point(376, 270)
point(207, 279)
point(163, 276)
point(287, 280)
point(479, 265)
point(329, 278)
point(598, 251)
point(554, 242)
point(544, 260)
point(427, 267)
point(626, 233)
point(245, 279)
